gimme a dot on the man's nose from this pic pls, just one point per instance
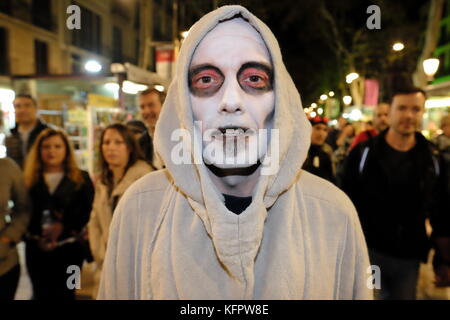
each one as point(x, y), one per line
point(409, 113)
point(231, 99)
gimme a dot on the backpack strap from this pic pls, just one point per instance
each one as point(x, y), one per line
point(362, 162)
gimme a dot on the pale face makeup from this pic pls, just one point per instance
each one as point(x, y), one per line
point(231, 91)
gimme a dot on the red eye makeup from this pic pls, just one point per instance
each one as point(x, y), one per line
point(205, 80)
point(255, 77)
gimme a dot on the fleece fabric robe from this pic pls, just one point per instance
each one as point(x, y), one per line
point(173, 238)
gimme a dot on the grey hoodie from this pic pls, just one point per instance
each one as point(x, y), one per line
point(173, 238)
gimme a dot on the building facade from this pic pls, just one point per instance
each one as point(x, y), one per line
point(43, 55)
point(37, 40)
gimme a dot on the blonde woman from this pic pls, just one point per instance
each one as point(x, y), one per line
point(121, 165)
point(61, 196)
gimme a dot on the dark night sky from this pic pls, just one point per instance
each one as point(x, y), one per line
point(304, 36)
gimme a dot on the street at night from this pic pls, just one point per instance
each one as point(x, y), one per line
point(224, 150)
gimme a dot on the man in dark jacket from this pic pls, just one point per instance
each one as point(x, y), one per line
point(318, 161)
point(396, 182)
point(28, 127)
point(150, 104)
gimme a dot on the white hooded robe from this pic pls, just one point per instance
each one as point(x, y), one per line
point(173, 238)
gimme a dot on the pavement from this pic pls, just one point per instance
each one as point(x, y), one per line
point(425, 288)
point(25, 290)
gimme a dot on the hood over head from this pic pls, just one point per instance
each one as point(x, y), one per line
point(289, 118)
point(192, 178)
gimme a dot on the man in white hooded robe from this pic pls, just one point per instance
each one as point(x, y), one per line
point(217, 227)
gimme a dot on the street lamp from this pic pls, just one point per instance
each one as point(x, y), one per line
point(93, 66)
point(351, 77)
point(430, 67)
point(347, 100)
point(398, 46)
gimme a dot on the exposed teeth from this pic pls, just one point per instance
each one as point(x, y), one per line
point(233, 131)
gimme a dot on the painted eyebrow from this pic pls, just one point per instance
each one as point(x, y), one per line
point(257, 65)
point(201, 67)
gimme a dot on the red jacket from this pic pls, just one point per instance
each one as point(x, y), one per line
point(363, 136)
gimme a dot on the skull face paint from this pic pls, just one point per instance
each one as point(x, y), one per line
point(231, 91)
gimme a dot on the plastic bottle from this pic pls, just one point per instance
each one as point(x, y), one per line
point(46, 220)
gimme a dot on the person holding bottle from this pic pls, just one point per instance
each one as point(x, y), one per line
point(61, 196)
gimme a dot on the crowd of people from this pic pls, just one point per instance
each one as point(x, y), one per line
point(394, 176)
point(223, 233)
point(397, 180)
point(52, 205)
point(210, 219)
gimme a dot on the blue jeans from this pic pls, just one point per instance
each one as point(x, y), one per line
point(398, 276)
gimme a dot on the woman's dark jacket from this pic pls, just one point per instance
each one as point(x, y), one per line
point(70, 204)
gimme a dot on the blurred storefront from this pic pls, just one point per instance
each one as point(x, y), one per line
point(6, 112)
point(438, 90)
point(81, 105)
point(437, 106)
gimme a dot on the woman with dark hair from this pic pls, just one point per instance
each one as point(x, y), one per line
point(121, 165)
point(61, 197)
